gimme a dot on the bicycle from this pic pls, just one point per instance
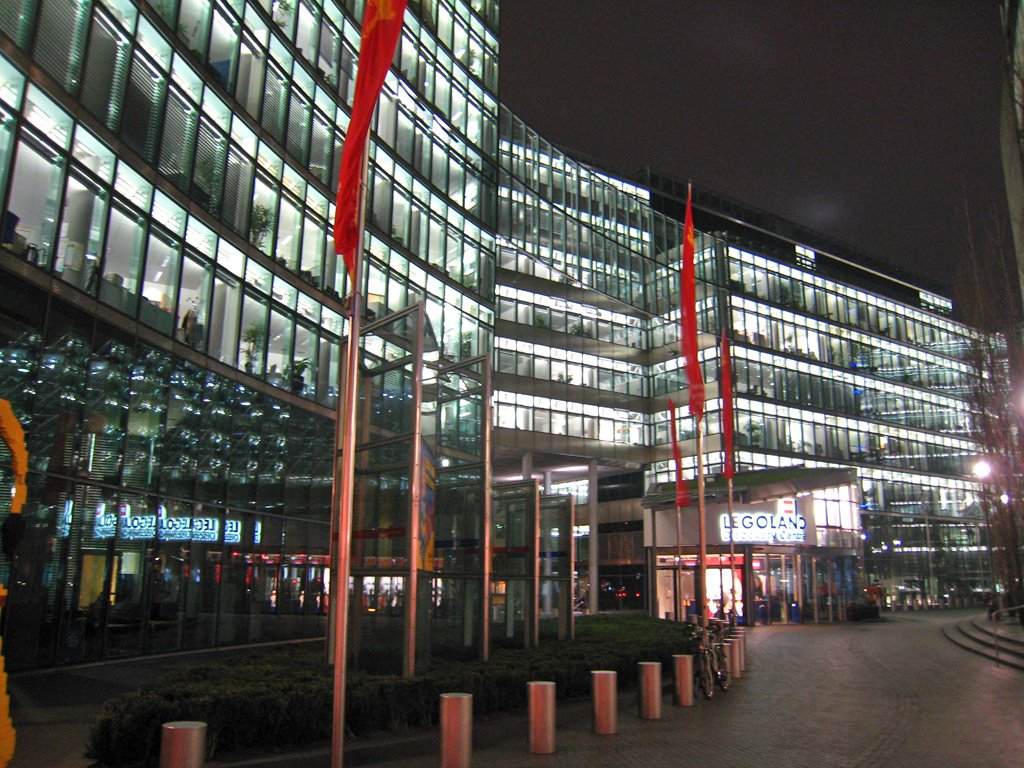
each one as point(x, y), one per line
point(721, 671)
point(703, 666)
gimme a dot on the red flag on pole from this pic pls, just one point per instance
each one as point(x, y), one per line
point(382, 24)
point(726, 386)
point(688, 315)
point(682, 494)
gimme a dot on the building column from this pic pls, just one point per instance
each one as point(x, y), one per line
point(547, 482)
point(527, 465)
point(592, 541)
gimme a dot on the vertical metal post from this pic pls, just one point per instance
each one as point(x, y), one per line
point(677, 589)
point(735, 665)
point(682, 668)
point(814, 586)
point(732, 542)
point(456, 730)
point(702, 564)
point(415, 494)
point(592, 543)
point(650, 690)
point(344, 487)
point(604, 703)
point(541, 695)
point(485, 597)
point(183, 744)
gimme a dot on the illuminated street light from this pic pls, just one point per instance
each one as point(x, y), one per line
point(982, 469)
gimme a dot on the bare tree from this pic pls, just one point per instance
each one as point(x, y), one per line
point(989, 300)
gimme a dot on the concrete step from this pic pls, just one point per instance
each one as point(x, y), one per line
point(969, 637)
point(1010, 634)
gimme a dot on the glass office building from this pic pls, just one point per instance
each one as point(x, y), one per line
point(172, 328)
point(837, 364)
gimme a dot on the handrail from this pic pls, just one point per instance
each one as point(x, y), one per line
point(995, 632)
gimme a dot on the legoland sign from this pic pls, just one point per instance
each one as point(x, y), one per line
point(783, 526)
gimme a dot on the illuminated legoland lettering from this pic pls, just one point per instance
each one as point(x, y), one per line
point(137, 527)
point(105, 524)
point(232, 531)
point(762, 528)
point(205, 529)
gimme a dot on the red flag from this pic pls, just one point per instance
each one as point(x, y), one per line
point(682, 495)
point(725, 385)
point(688, 315)
point(382, 24)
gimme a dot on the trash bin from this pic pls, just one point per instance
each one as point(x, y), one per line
point(794, 613)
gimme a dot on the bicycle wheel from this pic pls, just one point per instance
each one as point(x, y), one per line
point(724, 676)
point(705, 675)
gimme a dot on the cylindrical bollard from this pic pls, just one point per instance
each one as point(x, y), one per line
point(735, 666)
point(542, 717)
point(683, 670)
point(183, 744)
point(456, 730)
point(605, 702)
point(650, 690)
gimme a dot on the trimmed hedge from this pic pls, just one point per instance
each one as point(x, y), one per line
point(282, 697)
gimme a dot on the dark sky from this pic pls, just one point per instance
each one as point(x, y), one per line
point(871, 122)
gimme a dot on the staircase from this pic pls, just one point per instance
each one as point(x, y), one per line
point(976, 635)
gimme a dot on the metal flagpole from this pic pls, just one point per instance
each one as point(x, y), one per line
point(702, 563)
point(678, 607)
point(344, 482)
point(732, 546)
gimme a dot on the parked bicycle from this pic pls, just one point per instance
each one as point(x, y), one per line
point(720, 631)
point(703, 665)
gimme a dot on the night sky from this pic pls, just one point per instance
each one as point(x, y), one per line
point(872, 122)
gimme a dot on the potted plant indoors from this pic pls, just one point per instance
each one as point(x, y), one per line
point(259, 224)
point(297, 373)
point(252, 338)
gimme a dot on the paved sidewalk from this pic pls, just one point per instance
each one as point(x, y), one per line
point(893, 693)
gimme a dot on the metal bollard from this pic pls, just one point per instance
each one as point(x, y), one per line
point(456, 730)
point(183, 744)
point(542, 717)
point(740, 638)
point(683, 670)
point(605, 702)
point(650, 690)
point(735, 667)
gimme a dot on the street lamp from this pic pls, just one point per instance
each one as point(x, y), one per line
point(983, 471)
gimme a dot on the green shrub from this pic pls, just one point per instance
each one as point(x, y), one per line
point(282, 698)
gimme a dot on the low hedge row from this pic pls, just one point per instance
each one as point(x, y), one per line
point(282, 698)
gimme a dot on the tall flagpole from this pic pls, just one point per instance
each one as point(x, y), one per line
point(682, 499)
point(382, 26)
point(725, 391)
point(344, 482)
point(732, 548)
point(702, 567)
